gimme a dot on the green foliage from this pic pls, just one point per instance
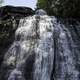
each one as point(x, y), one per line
point(41, 4)
point(64, 8)
point(44, 4)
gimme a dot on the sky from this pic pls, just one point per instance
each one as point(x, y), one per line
point(27, 3)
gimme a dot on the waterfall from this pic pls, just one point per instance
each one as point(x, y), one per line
point(52, 44)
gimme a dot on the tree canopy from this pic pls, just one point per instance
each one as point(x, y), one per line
point(44, 4)
point(63, 8)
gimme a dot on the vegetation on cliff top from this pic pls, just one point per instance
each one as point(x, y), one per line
point(67, 8)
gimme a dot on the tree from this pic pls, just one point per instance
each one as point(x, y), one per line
point(44, 4)
point(67, 8)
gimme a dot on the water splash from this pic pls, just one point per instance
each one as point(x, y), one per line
point(52, 44)
point(44, 50)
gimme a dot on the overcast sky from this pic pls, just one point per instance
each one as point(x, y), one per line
point(27, 3)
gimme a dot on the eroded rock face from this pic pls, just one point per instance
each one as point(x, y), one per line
point(9, 20)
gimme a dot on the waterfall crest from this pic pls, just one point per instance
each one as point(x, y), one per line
point(51, 43)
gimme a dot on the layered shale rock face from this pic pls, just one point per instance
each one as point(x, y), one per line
point(44, 48)
point(9, 20)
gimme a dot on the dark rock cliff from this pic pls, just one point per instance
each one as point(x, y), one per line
point(9, 19)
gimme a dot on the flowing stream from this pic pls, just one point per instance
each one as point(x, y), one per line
point(51, 43)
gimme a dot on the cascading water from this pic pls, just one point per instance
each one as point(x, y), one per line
point(51, 43)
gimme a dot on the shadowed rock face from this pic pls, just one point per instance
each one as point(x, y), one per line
point(7, 11)
point(9, 20)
